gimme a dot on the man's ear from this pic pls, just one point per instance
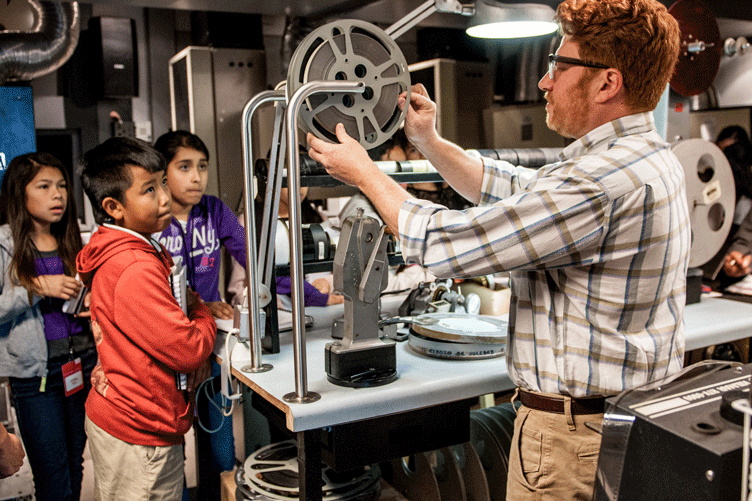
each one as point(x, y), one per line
point(611, 84)
point(113, 208)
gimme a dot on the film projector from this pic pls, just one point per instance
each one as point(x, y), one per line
point(680, 438)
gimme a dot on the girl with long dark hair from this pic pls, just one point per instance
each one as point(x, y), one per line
point(47, 354)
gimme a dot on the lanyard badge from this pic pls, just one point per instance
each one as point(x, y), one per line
point(73, 377)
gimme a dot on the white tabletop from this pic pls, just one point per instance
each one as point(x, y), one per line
point(424, 381)
point(716, 320)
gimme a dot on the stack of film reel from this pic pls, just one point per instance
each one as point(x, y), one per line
point(473, 471)
point(271, 473)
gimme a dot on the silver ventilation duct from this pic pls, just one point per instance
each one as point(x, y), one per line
point(52, 40)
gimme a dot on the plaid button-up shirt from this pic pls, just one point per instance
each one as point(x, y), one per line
point(597, 245)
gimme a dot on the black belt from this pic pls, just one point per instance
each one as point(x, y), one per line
point(587, 405)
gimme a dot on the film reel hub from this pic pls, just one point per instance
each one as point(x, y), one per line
point(351, 50)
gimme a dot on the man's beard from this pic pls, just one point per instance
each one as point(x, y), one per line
point(569, 120)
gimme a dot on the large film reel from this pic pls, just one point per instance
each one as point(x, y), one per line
point(355, 51)
point(710, 196)
point(272, 471)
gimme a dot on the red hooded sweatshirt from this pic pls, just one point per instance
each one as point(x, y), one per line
point(143, 338)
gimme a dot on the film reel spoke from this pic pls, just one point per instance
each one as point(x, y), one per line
point(386, 71)
point(368, 117)
point(328, 101)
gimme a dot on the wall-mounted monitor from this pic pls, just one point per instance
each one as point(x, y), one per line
point(16, 124)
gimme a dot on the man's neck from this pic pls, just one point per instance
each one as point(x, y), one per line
point(608, 114)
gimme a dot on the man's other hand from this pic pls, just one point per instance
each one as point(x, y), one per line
point(736, 264)
point(420, 121)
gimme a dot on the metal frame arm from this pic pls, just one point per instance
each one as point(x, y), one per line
point(426, 9)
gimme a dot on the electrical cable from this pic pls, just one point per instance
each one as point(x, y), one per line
point(223, 409)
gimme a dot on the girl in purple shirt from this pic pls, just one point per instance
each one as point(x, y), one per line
point(201, 224)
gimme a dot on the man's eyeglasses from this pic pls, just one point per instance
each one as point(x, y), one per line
point(554, 59)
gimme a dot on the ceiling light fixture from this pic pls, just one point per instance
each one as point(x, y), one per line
point(489, 18)
point(494, 19)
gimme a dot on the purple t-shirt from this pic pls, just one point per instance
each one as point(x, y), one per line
point(211, 224)
point(57, 325)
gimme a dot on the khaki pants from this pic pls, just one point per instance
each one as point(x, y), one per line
point(553, 456)
point(124, 471)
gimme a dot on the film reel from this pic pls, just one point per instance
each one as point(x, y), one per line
point(273, 472)
point(495, 462)
point(414, 477)
point(448, 474)
point(458, 336)
point(711, 196)
point(355, 51)
point(473, 475)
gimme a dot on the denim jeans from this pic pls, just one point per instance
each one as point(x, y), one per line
point(52, 429)
point(216, 450)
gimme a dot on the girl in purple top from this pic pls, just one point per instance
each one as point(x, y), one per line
point(201, 224)
point(48, 355)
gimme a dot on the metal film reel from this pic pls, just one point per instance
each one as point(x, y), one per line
point(711, 196)
point(495, 462)
point(273, 472)
point(458, 336)
point(355, 51)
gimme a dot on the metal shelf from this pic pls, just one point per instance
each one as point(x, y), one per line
point(326, 181)
point(283, 270)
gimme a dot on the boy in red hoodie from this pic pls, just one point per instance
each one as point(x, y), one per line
point(136, 419)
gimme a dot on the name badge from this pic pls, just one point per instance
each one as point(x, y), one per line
point(73, 377)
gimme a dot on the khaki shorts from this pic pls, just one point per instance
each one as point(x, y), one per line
point(134, 472)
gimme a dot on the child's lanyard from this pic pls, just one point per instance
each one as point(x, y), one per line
point(72, 371)
point(188, 248)
point(158, 247)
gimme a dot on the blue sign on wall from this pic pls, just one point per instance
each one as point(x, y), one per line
point(16, 124)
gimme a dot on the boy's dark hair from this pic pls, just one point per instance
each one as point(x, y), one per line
point(105, 173)
point(169, 143)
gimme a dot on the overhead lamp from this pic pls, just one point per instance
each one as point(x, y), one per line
point(494, 19)
point(489, 18)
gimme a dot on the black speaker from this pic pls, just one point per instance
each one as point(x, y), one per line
point(114, 56)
